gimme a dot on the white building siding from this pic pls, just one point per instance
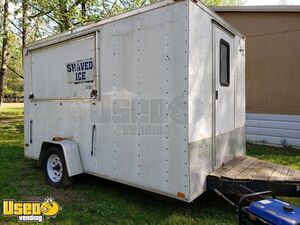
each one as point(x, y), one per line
point(273, 129)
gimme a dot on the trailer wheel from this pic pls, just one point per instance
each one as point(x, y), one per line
point(55, 169)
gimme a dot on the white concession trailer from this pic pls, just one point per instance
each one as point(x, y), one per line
point(153, 98)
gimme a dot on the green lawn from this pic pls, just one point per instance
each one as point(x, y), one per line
point(93, 200)
point(287, 156)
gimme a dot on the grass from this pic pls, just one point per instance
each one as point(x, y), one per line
point(93, 200)
point(285, 156)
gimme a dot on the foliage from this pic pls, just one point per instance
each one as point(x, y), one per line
point(43, 18)
point(4, 46)
point(92, 200)
point(222, 2)
point(13, 84)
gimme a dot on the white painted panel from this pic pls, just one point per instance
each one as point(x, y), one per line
point(27, 108)
point(273, 140)
point(240, 90)
point(65, 119)
point(273, 129)
point(200, 101)
point(72, 157)
point(225, 108)
point(287, 125)
point(50, 76)
point(39, 127)
point(200, 75)
point(200, 98)
point(273, 132)
point(275, 117)
point(144, 62)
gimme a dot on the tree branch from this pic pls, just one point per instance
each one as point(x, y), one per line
point(76, 3)
point(18, 28)
point(52, 18)
point(143, 3)
point(19, 35)
point(15, 72)
point(111, 8)
point(39, 14)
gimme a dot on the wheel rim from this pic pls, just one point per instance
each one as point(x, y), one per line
point(54, 168)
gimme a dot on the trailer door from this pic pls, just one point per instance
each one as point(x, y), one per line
point(223, 49)
point(66, 70)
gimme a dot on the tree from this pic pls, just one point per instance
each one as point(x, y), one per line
point(25, 22)
point(5, 53)
point(63, 15)
point(68, 14)
point(222, 2)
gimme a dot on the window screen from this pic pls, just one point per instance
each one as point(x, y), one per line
point(224, 63)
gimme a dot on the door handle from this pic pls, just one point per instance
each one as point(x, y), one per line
point(30, 131)
point(217, 94)
point(92, 145)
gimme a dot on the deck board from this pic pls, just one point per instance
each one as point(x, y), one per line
point(238, 169)
point(222, 170)
point(292, 176)
point(265, 172)
point(248, 173)
point(251, 169)
point(279, 173)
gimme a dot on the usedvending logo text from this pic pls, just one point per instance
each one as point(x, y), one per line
point(31, 211)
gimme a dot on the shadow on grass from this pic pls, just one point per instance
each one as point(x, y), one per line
point(149, 208)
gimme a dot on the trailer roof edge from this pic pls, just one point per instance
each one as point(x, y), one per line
point(218, 18)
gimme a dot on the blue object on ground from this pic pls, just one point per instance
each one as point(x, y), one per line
point(276, 212)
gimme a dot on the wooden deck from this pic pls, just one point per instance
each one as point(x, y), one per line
point(256, 174)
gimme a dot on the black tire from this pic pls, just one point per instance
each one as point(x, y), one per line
point(59, 172)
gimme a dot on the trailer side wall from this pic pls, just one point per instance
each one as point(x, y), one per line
point(136, 131)
point(202, 144)
point(144, 61)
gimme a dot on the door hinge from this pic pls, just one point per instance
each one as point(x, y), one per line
point(217, 94)
point(94, 93)
point(31, 96)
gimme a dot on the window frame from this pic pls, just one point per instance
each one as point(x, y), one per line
point(224, 84)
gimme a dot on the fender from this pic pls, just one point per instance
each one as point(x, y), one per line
point(71, 153)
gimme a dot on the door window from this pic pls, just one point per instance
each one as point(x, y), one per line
point(224, 63)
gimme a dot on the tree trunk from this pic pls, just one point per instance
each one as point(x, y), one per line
point(64, 16)
point(5, 54)
point(25, 23)
point(83, 12)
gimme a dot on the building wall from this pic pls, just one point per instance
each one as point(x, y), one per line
point(272, 60)
point(272, 74)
